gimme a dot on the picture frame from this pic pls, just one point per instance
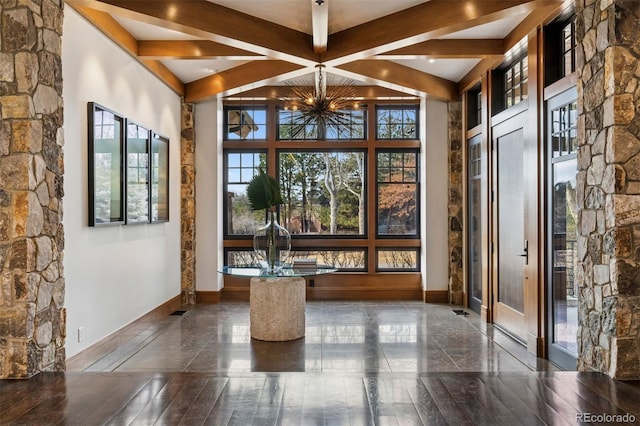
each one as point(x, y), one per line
point(159, 183)
point(106, 138)
point(138, 191)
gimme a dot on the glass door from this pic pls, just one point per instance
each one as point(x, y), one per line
point(561, 230)
point(474, 220)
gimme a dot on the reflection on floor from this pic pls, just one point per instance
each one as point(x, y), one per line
point(361, 363)
point(361, 337)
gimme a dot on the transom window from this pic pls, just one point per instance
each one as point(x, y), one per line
point(515, 80)
point(564, 121)
point(245, 123)
point(397, 122)
point(351, 125)
point(569, 48)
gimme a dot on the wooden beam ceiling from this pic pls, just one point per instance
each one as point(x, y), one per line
point(213, 22)
point(279, 53)
point(116, 32)
point(447, 48)
point(402, 76)
point(242, 78)
point(529, 24)
point(192, 49)
point(420, 23)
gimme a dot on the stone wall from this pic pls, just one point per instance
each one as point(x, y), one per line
point(188, 204)
point(32, 317)
point(608, 186)
point(455, 203)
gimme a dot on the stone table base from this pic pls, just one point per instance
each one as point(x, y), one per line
point(277, 308)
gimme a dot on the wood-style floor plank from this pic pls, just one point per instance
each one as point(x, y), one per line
point(426, 407)
point(136, 404)
point(461, 387)
point(509, 399)
point(204, 403)
point(291, 411)
point(232, 399)
point(534, 401)
point(356, 398)
point(183, 401)
point(622, 394)
point(446, 403)
point(270, 402)
point(261, 399)
point(489, 401)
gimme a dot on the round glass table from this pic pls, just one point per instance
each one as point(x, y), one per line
point(253, 271)
point(277, 301)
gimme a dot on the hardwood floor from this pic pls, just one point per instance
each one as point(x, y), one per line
point(429, 366)
point(464, 398)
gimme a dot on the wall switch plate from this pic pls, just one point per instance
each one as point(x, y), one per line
point(80, 334)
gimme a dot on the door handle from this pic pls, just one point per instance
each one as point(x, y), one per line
point(526, 252)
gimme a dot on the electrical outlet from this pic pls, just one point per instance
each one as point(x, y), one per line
point(80, 334)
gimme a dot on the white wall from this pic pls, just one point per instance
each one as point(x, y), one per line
point(435, 210)
point(209, 248)
point(114, 274)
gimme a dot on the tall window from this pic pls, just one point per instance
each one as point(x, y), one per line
point(240, 168)
point(350, 199)
point(397, 193)
point(564, 249)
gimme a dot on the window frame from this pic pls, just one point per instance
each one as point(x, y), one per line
point(340, 149)
point(278, 124)
point(415, 235)
point(398, 107)
point(242, 108)
point(366, 243)
point(225, 185)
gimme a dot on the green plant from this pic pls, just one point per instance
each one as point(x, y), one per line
point(264, 192)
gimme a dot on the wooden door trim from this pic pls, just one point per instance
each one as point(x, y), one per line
point(514, 123)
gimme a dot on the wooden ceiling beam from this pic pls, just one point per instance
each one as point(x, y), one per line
point(192, 49)
point(119, 35)
point(210, 21)
point(391, 73)
point(447, 49)
point(242, 78)
point(360, 92)
point(530, 23)
point(420, 23)
point(320, 25)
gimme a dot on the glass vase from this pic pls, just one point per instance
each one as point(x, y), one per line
point(272, 244)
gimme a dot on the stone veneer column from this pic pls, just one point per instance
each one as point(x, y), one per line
point(188, 204)
point(32, 317)
point(608, 187)
point(455, 203)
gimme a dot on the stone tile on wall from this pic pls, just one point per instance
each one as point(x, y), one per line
point(32, 315)
point(455, 168)
point(609, 191)
point(188, 204)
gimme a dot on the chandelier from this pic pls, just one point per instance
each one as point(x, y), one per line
point(321, 106)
